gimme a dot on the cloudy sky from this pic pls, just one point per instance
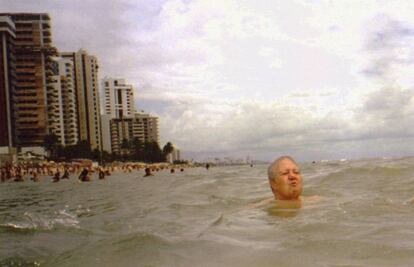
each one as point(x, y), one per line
point(313, 79)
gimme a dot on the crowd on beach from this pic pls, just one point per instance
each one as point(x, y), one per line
point(83, 172)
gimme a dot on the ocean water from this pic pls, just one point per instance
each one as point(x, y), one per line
point(201, 217)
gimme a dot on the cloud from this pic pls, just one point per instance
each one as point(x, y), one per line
point(391, 49)
point(311, 78)
point(383, 118)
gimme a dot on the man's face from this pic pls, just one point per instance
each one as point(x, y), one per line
point(287, 185)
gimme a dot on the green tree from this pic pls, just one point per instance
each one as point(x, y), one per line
point(51, 143)
point(137, 148)
point(96, 155)
point(125, 148)
point(168, 148)
point(83, 150)
point(152, 152)
point(106, 156)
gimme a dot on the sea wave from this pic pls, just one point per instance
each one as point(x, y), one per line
point(31, 221)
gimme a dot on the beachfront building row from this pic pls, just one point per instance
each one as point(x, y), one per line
point(43, 91)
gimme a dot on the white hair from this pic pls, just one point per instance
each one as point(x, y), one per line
point(271, 174)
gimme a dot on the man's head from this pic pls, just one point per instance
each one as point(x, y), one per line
point(285, 179)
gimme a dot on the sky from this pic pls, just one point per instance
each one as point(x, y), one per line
point(236, 78)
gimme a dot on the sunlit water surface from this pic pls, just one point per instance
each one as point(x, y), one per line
point(202, 218)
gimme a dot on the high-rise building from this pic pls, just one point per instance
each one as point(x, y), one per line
point(54, 103)
point(7, 83)
point(118, 98)
point(70, 119)
point(142, 126)
point(61, 102)
point(106, 133)
point(87, 96)
point(33, 69)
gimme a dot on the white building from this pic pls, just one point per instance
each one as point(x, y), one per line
point(70, 119)
point(114, 130)
point(118, 98)
point(61, 102)
point(106, 133)
point(54, 103)
point(87, 96)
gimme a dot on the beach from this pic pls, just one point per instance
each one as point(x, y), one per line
point(201, 217)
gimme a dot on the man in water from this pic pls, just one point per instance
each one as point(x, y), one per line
point(285, 179)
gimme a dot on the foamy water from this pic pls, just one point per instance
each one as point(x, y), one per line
point(202, 218)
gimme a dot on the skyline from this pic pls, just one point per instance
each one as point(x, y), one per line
point(314, 79)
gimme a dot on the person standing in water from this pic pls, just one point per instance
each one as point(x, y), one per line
point(56, 177)
point(101, 174)
point(65, 174)
point(84, 176)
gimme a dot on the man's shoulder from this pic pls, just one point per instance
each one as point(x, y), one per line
point(261, 203)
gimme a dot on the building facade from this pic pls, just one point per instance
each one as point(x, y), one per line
point(142, 126)
point(7, 83)
point(106, 133)
point(87, 96)
point(33, 70)
point(118, 98)
point(55, 103)
point(69, 106)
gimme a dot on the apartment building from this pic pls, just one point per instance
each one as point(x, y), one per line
point(142, 126)
point(33, 71)
point(87, 96)
point(7, 83)
point(69, 107)
point(55, 103)
point(118, 98)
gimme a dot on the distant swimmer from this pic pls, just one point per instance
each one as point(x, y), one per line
point(18, 178)
point(56, 177)
point(148, 172)
point(65, 174)
point(35, 177)
point(84, 176)
point(101, 174)
point(172, 170)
